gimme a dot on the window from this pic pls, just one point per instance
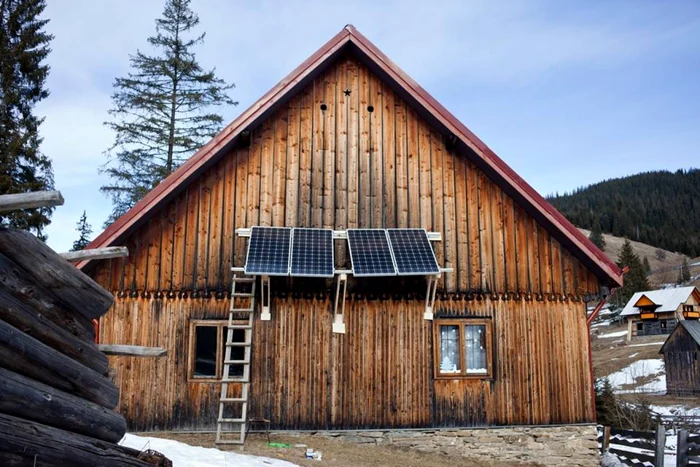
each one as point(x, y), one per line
point(206, 351)
point(463, 348)
point(640, 326)
point(687, 307)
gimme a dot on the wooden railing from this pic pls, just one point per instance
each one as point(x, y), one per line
point(644, 448)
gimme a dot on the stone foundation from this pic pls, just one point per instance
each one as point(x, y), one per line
point(573, 445)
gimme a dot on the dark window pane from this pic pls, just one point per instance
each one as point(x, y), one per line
point(235, 370)
point(205, 351)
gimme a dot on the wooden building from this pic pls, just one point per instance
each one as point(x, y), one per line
point(348, 140)
point(682, 359)
point(656, 312)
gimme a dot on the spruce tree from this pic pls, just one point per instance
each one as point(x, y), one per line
point(162, 110)
point(646, 265)
point(684, 271)
point(596, 236)
point(84, 229)
point(24, 46)
point(635, 280)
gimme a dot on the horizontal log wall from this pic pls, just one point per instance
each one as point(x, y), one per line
point(379, 374)
point(346, 167)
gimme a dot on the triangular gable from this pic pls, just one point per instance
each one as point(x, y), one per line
point(644, 301)
point(690, 327)
point(486, 159)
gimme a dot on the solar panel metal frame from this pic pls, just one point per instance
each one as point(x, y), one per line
point(391, 253)
point(291, 256)
point(423, 273)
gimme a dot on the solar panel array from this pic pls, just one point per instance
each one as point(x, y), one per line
point(370, 253)
point(412, 252)
point(312, 253)
point(281, 251)
point(268, 251)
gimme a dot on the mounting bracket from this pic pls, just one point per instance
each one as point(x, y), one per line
point(430, 296)
point(265, 298)
point(339, 318)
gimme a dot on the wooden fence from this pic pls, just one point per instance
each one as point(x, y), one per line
point(647, 448)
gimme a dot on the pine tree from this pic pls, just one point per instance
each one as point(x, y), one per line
point(635, 280)
point(684, 272)
point(596, 236)
point(84, 229)
point(160, 114)
point(646, 265)
point(24, 47)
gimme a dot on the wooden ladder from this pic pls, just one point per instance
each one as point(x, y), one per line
point(239, 318)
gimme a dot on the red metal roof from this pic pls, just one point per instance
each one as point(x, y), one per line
point(349, 34)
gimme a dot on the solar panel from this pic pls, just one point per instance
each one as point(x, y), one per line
point(370, 253)
point(312, 253)
point(268, 251)
point(412, 252)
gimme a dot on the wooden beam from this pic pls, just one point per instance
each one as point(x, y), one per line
point(29, 399)
point(29, 357)
point(97, 253)
point(26, 443)
point(132, 350)
point(37, 199)
point(45, 267)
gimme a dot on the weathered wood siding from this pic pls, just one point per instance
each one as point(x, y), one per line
point(346, 167)
point(379, 374)
point(682, 363)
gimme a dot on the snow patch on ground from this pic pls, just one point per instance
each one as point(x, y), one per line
point(638, 370)
point(659, 344)
point(676, 410)
point(184, 455)
point(612, 334)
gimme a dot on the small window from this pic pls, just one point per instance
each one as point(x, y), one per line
point(662, 324)
point(205, 358)
point(464, 348)
point(640, 326)
point(687, 307)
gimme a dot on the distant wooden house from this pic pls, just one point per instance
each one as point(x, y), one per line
point(682, 359)
point(656, 312)
point(349, 141)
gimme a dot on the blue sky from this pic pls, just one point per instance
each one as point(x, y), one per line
point(567, 93)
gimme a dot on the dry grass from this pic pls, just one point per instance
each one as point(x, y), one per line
point(336, 453)
point(613, 354)
point(662, 271)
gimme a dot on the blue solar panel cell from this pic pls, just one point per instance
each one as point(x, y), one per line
point(370, 253)
point(312, 253)
point(412, 252)
point(269, 251)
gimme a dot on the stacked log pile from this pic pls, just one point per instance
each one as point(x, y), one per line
point(56, 400)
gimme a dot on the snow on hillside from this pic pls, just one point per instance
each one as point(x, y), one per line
point(612, 334)
point(640, 376)
point(184, 455)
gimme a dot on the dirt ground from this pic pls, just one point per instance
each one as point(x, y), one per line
point(613, 354)
point(336, 453)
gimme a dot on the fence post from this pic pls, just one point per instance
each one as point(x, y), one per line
point(660, 445)
point(606, 439)
point(682, 449)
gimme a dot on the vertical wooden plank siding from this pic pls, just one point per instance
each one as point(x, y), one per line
point(344, 166)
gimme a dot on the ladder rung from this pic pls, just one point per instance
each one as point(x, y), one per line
point(234, 399)
point(236, 380)
point(236, 362)
point(243, 294)
point(232, 420)
point(244, 279)
point(240, 326)
point(249, 310)
point(238, 344)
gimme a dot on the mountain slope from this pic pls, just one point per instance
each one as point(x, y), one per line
point(658, 208)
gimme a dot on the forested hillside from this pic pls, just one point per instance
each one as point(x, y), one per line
point(658, 208)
